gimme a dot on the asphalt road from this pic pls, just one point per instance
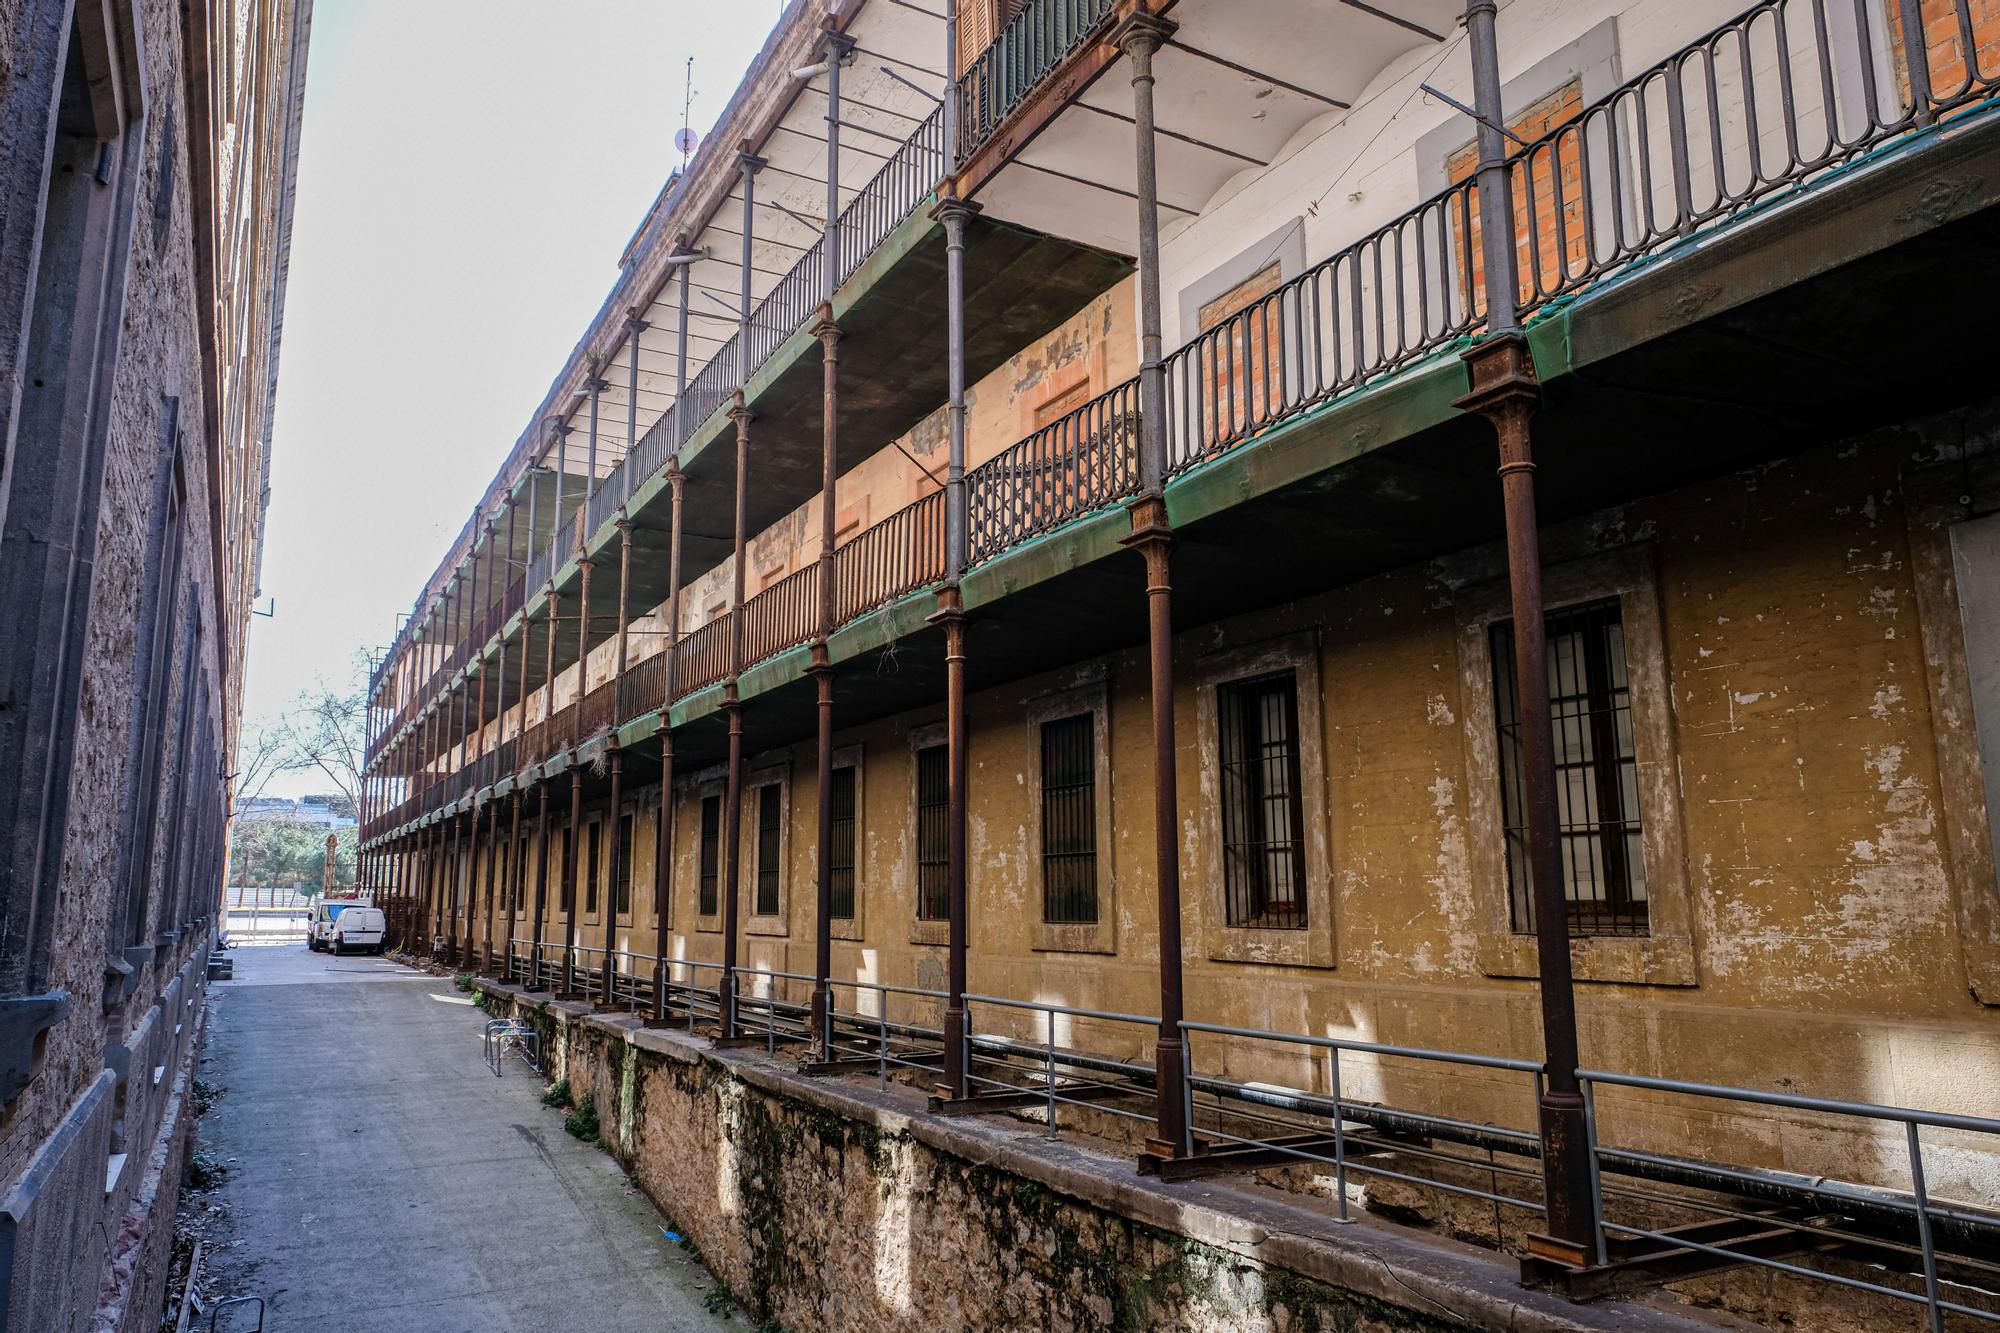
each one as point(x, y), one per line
point(379, 1177)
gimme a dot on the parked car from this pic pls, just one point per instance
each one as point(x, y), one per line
point(359, 930)
point(325, 914)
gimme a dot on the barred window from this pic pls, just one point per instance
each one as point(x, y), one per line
point(562, 872)
point(711, 849)
point(933, 835)
point(840, 851)
point(623, 897)
point(1069, 820)
point(767, 850)
point(1597, 790)
point(1263, 825)
point(521, 885)
point(591, 847)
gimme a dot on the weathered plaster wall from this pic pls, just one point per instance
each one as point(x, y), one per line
point(1821, 899)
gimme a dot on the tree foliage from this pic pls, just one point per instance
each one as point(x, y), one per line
point(267, 853)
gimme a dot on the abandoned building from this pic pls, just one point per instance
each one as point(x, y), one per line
point(146, 158)
point(1010, 623)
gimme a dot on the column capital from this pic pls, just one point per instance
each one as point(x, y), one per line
point(952, 208)
point(836, 43)
point(739, 410)
point(634, 324)
point(747, 161)
point(824, 326)
point(1141, 32)
point(1502, 371)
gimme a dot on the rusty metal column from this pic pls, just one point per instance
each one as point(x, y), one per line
point(1139, 37)
point(536, 923)
point(448, 901)
point(732, 707)
point(570, 902)
point(607, 994)
point(663, 830)
point(511, 902)
point(1505, 391)
point(732, 700)
point(827, 330)
point(950, 615)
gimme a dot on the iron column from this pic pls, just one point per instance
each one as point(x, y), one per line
point(1139, 37)
point(1505, 391)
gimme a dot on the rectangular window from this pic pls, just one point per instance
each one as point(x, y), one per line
point(591, 846)
point(624, 894)
point(562, 873)
point(840, 852)
point(1069, 820)
point(522, 888)
point(1597, 790)
point(767, 850)
point(502, 886)
point(933, 835)
point(1263, 826)
point(711, 852)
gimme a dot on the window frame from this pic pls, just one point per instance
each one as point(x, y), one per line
point(1264, 916)
point(924, 930)
point(708, 918)
point(1100, 936)
point(1315, 945)
point(1665, 955)
point(625, 830)
point(755, 921)
point(590, 868)
point(850, 757)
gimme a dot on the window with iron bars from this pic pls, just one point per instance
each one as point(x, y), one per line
point(768, 867)
point(711, 852)
point(592, 846)
point(840, 851)
point(1597, 790)
point(523, 888)
point(562, 872)
point(623, 895)
point(933, 835)
point(1263, 825)
point(1069, 820)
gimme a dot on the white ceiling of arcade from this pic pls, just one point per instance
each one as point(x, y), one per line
point(1232, 87)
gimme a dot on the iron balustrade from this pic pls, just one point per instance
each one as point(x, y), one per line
point(1396, 295)
point(902, 553)
point(1001, 78)
point(1767, 101)
point(645, 688)
point(705, 655)
point(782, 616)
point(1082, 461)
point(894, 192)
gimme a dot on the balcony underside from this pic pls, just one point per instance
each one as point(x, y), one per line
point(1815, 320)
point(1644, 393)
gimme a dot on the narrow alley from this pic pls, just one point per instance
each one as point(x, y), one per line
point(377, 1176)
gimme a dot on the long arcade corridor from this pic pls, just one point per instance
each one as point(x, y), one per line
point(378, 1177)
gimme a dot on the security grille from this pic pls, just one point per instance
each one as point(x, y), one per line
point(840, 850)
point(1263, 852)
point(933, 835)
point(1069, 821)
point(1597, 792)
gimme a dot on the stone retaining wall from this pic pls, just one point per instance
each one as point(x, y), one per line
point(830, 1204)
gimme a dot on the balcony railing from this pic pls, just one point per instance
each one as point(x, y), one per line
point(1026, 51)
point(902, 553)
point(784, 615)
point(1787, 91)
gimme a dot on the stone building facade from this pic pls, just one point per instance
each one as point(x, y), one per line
point(1081, 614)
point(148, 152)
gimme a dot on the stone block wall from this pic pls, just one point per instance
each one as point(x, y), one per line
point(828, 1205)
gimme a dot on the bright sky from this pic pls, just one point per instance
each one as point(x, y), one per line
point(469, 172)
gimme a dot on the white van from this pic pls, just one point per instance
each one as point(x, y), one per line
point(322, 925)
point(359, 928)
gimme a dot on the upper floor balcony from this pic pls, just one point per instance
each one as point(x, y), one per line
point(1783, 149)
